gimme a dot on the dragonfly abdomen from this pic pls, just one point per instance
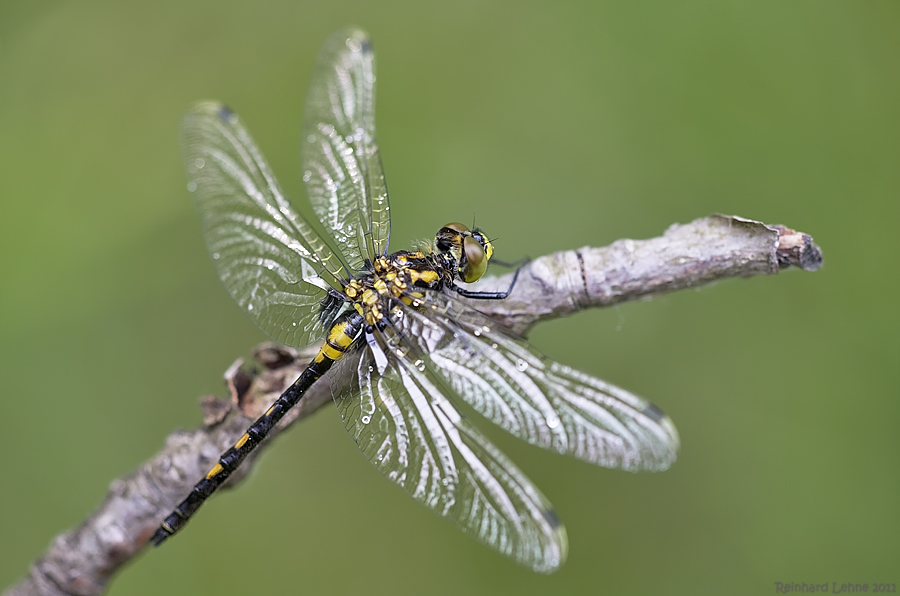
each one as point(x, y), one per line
point(338, 342)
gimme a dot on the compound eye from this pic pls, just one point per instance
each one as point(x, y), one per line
point(476, 261)
point(457, 227)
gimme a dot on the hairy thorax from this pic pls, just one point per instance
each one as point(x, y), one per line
point(399, 276)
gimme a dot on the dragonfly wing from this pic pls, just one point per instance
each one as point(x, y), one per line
point(540, 401)
point(412, 433)
point(270, 259)
point(341, 163)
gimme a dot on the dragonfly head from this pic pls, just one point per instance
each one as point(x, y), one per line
point(469, 249)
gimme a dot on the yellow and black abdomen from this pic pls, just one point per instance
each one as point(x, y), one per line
point(339, 341)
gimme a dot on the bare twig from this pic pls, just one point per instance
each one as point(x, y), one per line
point(82, 561)
point(685, 256)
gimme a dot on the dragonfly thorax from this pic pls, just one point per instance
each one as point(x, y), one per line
point(458, 254)
point(400, 276)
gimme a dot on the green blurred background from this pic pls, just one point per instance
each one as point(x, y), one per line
point(558, 128)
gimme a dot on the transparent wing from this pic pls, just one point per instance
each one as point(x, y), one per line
point(341, 163)
point(540, 401)
point(270, 259)
point(415, 437)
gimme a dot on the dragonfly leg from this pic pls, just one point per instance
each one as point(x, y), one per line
point(489, 295)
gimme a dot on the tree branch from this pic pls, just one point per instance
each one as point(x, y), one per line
point(82, 561)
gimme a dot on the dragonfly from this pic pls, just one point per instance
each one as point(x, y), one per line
point(398, 325)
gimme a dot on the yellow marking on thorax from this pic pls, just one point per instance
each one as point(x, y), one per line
point(352, 289)
point(381, 264)
point(428, 276)
point(373, 314)
point(398, 287)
